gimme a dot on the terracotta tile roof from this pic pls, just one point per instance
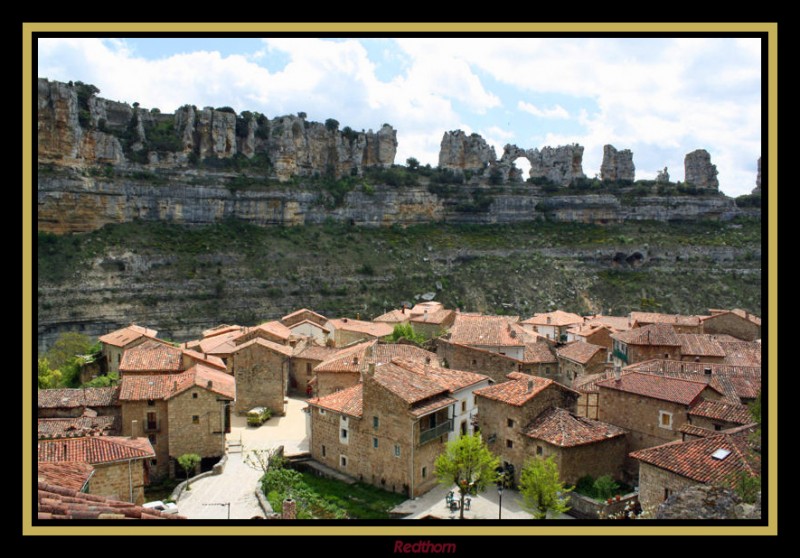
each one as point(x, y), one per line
point(429, 305)
point(151, 356)
point(272, 331)
point(80, 397)
point(302, 315)
point(452, 380)
point(141, 387)
point(347, 359)
point(78, 426)
point(693, 459)
point(697, 344)
point(587, 383)
point(540, 352)
point(385, 352)
point(561, 428)
point(315, 352)
point(741, 353)
point(719, 410)
point(368, 328)
point(55, 502)
point(349, 401)
point(309, 322)
point(122, 337)
point(655, 334)
point(515, 392)
point(469, 329)
point(645, 318)
point(223, 328)
point(693, 430)
point(282, 349)
point(72, 475)
point(357, 357)
point(408, 386)
point(393, 317)
point(205, 358)
point(683, 392)
point(557, 318)
point(221, 344)
point(95, 449)
point(619, 323)
point(744, 314)
point(428, 406)
point(437, 317)
point(579, 352)
point(587, 329)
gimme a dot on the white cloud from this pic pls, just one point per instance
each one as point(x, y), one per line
point(556, 112)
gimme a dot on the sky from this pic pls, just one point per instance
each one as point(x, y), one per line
point(659, 97)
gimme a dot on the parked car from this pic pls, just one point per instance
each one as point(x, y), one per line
point(258, 416)
point(163, 507)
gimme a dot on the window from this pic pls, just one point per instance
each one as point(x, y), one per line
point(474, 400)
point(322, 411)
point(154, 462)
point(308, 369)
point(424, 472)
point(152, 423)
point(510, 423)
point(666, 356)
point(343, 460)
point(324, 453)
point(344, 418)
point(509, 444)
point(667, 493)
point(463, 406)
point(194, 395)
point(397, 450)
point(717, 427)
point(375, 443)
point(119, 359)
point(547, 370)
point(464, 427)
point(474, 362)
point(344, 433)
point(375, 422)
point(152, 438)
point(195, 419)
point(665, 420)
point(151, 403)
point(538, 450)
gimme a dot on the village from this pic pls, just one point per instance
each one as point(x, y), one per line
point(656, 403)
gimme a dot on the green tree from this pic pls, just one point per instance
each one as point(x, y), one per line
point(47, 377)
point(468, 464)
point(405, 331)
point(188, 462)
point(412, 163)
point(541, 488)
point(66, 347)
point(605, 487)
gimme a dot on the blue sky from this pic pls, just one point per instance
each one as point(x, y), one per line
point(659, 97)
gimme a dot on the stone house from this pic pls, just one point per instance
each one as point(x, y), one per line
point(538, 358)
point(218, 342)
point(273, 331)
point(552, 325)
point(489, 333)
point(645, 343)
point(651, 408)
point(158, 357)
point(715, 416)
point(699, 347)
point(595, 334)
point(431, 319)
point(261, 370)
point(73, 403)
point(303, 315)
point(309, 329)
point(303, 363)
point(588, 403)
point(579, 359)
point(347, 331)
point(669, 468)
point(120, 464)
point(737, 323)
point(180, 413)
point(115, 343)
point(680, 323)
point(394, 317)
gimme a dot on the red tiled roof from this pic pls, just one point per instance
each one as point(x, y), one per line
point(587, 383)
point(302, 315)
point(719, 410)
point(744, 314)
point(741, 353)
point(309, 322)
point(72, 475)
point(557, 318)
point(645, 318)
point(693, 430)
point(151, 356)
point(271, 330)
point(349, 401)
point(221, 344)
point(142, 387)
point(95, 449)
point(579, 352)
point(697, 344)
point(429, 305)
point(655, 334)
point(315, 352)
point(693, 459)
point(356, 357)
point(539, 352)
point(55, 502)
point(561, 428)
point(80, 397)
point(368, 328)
point(276, 347)
point(122, 337)
point(470, 329)
point(220, 329)
point(452, 380)
point(515, 392)
point(205, 358)
point(683, 392)
point(408, 386)
point(348, 359)
point(78, 426)
point(619, 323)
point(431, 405)
point(393, 317)
point(436, 317)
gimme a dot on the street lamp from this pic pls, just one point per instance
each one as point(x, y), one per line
point(501, 477)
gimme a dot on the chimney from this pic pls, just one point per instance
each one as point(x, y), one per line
point(617, 373)
point(175, 385)
point(371, 369)
point(427, 360)
point(403, 309)
point(530, 386)
point(697, 359)
point(134, 429)
point(355, 361)
point(548, 319)
point(358, 316)
point(344, 320)
point(289, 509)
point(426, 315)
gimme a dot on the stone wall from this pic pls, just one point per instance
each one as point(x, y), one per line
point(260, 378)
point(587, 405)
point(159, 438)
point(596, 459)
point(617, 165)
point(731, 324)
point(640, 353)
point(119, 480)
point(330, 382)
point(656, 484)
point(206, 436)
point(460, 357)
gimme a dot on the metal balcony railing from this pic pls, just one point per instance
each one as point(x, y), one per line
point(620, 355)
point(426, 436)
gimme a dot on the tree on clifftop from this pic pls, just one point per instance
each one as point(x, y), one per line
point(468, 464)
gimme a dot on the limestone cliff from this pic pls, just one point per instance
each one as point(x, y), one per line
point(699, 171)
point(617, 165)
point(460, 152)
point(560, 165)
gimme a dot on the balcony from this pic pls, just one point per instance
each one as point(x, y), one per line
point(426, 436)
point(620, 355)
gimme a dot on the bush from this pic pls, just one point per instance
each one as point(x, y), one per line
point(331, 124)
point(605, 487)
point(225, 109)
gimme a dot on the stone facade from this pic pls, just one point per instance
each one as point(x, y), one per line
point(656, 485)
point(595, 459)
point(569, 369)
point(727, 323)
point(203, 435)
point(461, 357)
point(617, 165)
point(330, 382)
point(122, 481)
point(158, 431)
point(587, 405)
point(699, 171)
point(261, 374)
point(113, 354)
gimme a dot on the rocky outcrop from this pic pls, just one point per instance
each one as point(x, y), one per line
point(663, 176)
point(76, 128)
point(460, 152)
point(757, 189)
point(617, 165)
point(561, 165)
point(708, 502)
point(699, 171)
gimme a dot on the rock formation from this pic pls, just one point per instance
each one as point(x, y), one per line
point(708, 502)
point(663, 176)
point(757, 189)
point(617, 165)
point(460, 152)
point(699, 171)
point(561, 164)
point(77, 128)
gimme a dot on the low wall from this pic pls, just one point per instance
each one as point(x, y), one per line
point(584, 507)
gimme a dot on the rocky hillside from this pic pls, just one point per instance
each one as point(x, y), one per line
point(181, 280)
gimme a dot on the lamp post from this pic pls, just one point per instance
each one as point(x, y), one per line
point(501, 476)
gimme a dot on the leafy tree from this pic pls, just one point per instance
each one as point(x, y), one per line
point(47, 377)
point(468, 464)
point(405, 331)
point(188, 462)
point(412, 163)
point(264, 459)
point(541, 489)
point(66, 347)
point(605, 487)
point(332, 124)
